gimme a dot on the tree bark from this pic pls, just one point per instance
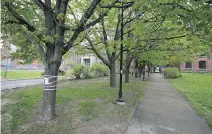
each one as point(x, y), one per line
point(129, 59)
point(143, 72)
point(136, 72)
point(127, 74)
point(136, 68)
point(112, 75)
point(140, 71)
point(49, 91)
point(148, 69)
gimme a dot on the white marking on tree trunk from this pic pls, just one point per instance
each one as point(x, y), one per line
point(46, 80)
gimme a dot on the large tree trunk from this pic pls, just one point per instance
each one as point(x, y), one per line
point(113, 75)
point(49, 91)
point(127, 74)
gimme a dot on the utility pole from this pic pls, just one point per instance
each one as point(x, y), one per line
point(120, 98)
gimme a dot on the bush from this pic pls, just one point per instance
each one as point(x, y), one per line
point(78, 71)
point(172, 73)
point(87, 73)
point(99, 69)
point(61, 72)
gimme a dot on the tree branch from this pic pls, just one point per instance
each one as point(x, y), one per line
point(40, 4)
point(117, 27)
point(101, 16)
point(125, 5)
point(80, 27)
point(130, 20)
point(105, 61)
point(38, 46)
point(176, 5)
point(95, 21)
point(21, 20)
point(105, 40)
point(167, 38)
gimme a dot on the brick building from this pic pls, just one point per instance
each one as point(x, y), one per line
point(201, 64)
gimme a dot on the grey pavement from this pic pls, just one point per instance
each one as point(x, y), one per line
point(164, 111)
point(10, 84)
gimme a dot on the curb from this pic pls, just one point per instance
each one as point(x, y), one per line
point(59, 81)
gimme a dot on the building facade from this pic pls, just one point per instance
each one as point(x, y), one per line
point(72, 60)
point(202, 64)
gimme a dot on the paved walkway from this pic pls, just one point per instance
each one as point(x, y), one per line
point(164, 111)
point(10, 84)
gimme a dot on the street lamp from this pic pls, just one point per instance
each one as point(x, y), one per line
point(120, 99)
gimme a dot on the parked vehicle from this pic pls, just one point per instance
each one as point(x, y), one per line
point(157, 70)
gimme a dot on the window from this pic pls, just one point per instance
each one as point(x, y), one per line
point(87, 62)
point(202, 64)
point(188, 65)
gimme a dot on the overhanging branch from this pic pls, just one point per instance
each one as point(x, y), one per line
point(21, 20)
point(125, 5)
point(82, 26)
point(38, 46)
point(106, 62)
point(167, 38)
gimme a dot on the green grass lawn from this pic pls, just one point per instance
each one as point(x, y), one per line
point(77, 103)
point(21, 74)
point(197, 89)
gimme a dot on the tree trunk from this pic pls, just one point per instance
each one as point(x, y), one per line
point(143, 70)
point(136, 68)
point(49, 92)
point(144, 75)
point(136, 72)
point(140, 71)
point(148, 70)
point(127, 74)
point(112, 75)
point(5, 73)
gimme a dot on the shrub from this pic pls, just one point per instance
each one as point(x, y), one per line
point(61, 72)
point(87, 73)
point(172, 73)
point(99, 69)
point(69, 74)
point(78, 70)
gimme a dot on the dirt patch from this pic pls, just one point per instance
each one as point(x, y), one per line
point(5, 102)
point(98, 100)
point(101, 126)
point(6, 118)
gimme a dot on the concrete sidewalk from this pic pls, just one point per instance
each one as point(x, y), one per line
point(19, 83)
point(164, 111)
